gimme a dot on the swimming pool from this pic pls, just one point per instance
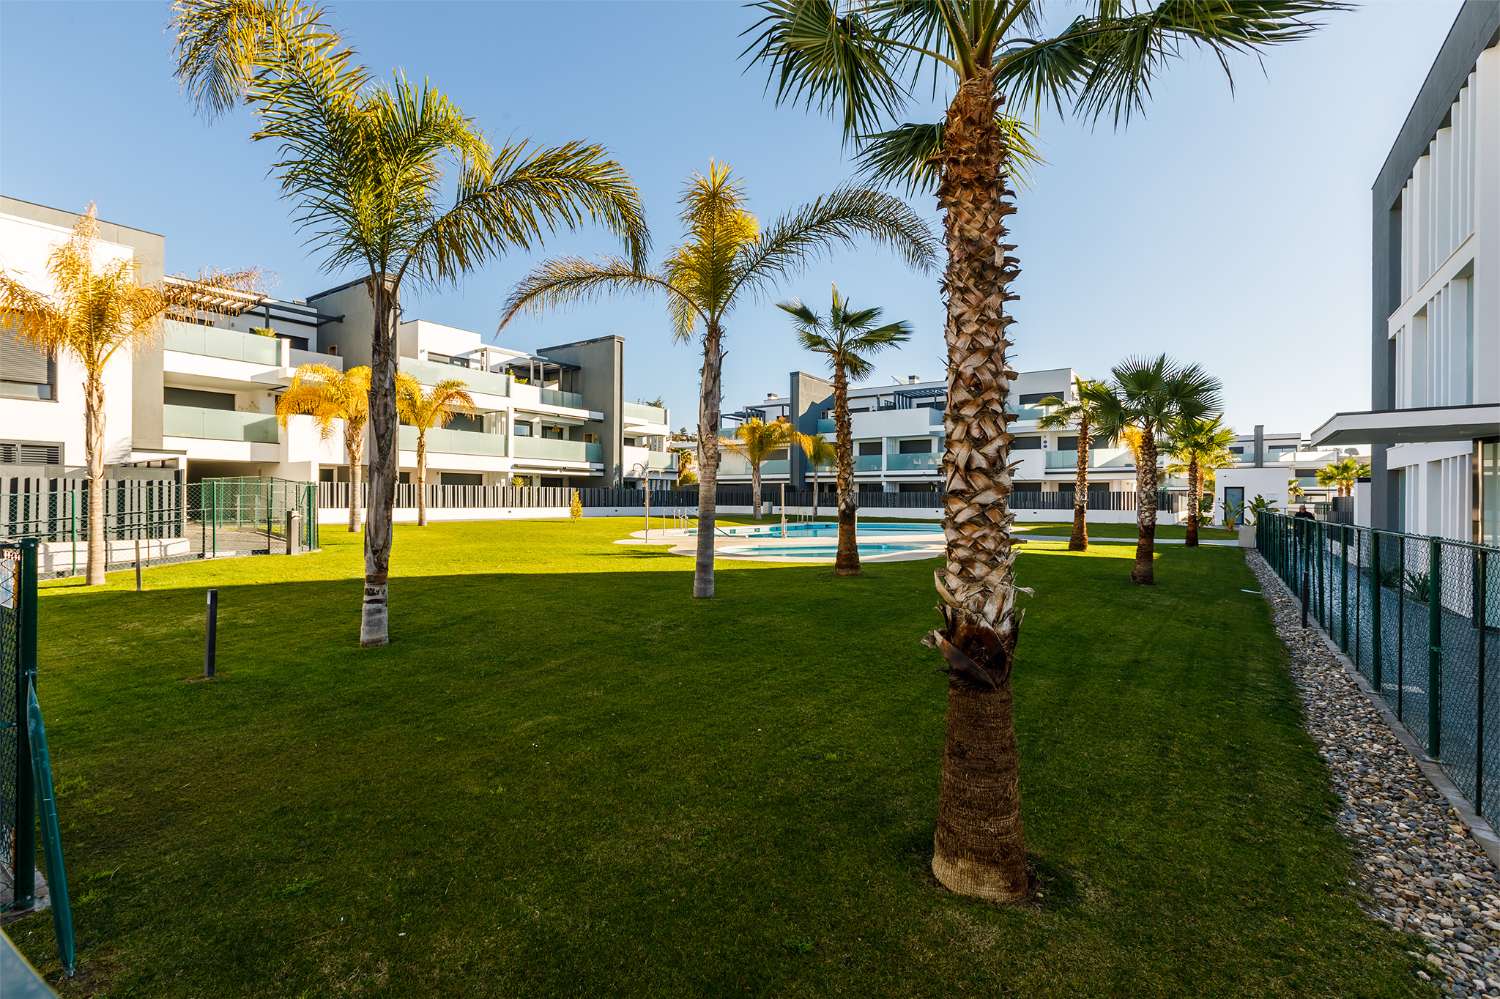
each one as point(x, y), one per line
point(822, 552)
point(821, 529)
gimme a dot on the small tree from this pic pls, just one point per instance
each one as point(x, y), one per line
point(329, 395)
point(575, 508)
point(1079, 413)
point(424, 411)
point(1343, 474)
point(820, 451)
point(93, 314)
point(756, 440)
point(1199, 448)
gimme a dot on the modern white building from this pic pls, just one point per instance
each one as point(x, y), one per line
point(898, 436)
point(202, 397)
point(1435, 340)
point(1270, 464)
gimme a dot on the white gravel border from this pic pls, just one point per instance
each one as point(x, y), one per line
point(1420, 866)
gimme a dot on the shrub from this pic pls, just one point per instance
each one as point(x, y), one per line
point(575, 509)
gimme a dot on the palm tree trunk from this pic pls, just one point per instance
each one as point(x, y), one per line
point(1079, 542)
point(815, 492)
point(374, 625)
point(755, 488)
point(1195, 489)
point(421, 477)
point(846, 559)
point(709, 396)
point(93, 437)
point(1144, 572)
point(354, 454)
point(978, 846)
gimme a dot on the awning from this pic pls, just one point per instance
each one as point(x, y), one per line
point(1425, 425)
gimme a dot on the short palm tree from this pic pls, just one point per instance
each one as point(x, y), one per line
point(756, 440)
point(333, 397)
point(1199, 448)
point(859, 60)
point(820, 451)
point(1078, 413)
point(847, 338)
point(363, 161)
point(1294, 488)
point(725, 257)
point(1341, 475)
point(1151, 395)
point(687, 462)
point(425, 410)
point(94, 313)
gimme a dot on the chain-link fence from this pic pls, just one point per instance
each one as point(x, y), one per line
point(156, 520)
point(1420, 618)
point(17, 662)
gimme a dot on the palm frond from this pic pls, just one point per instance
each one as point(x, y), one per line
point(569, 280)
point(906, 156)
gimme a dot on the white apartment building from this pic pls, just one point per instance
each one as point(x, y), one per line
point(898, 436)
point(202, 397)
point(1269, 464)
point(1435, 388)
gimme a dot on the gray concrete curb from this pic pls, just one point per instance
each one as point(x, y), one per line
point(1483, 833)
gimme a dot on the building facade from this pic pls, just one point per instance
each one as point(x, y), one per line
point(1281, 467)
point(203, 395)
point(1434, 421)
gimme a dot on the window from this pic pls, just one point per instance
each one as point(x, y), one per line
point(923, 446)
point(26, 371)
point(472, 422)
point(523, 429)
point(461, 478)
point(1032, 443)
point(1033, 398)
point(1487, 493)
point(197, 398)
point(1067, 443)
point(870, 447)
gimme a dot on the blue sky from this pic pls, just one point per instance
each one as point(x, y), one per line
point(1229, 229)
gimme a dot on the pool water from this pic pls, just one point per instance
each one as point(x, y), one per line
point(826, 530)
point(818, 551)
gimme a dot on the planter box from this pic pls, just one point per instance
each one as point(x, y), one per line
point(1246, 534)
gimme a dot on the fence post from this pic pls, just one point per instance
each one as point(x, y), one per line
point(1358, 564)
point(1481, 595)
point(24, 894)
point(1375, 642)
point(1344, 587)
point(214, 508)
point(73, 528)
point(1401, 628)
point(1435, 649)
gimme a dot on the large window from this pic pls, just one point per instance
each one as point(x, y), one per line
point(923, 446)
point(26, 371)
point(1487, 492)
point(869, 448)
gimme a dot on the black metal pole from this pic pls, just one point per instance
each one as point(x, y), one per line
point(211, 642)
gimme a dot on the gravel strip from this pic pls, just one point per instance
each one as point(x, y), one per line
point(1419, 868)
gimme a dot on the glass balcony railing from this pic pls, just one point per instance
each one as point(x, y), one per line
point(556, 450)
point(913, 462)
point(868, 462)
point(775, 466)
point(827, 428)
point(446, 441)
point(219, 425)
point(644, 413)
point(1061, 460)
point(431, 372)
point(1027, 413)
point(232, 345)
point(557, 397)
point(661, 460)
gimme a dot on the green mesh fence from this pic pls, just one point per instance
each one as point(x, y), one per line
point(17, 667)
point(154, 521)
point(1420, 619)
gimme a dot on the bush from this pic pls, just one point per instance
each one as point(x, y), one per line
point(575, 508)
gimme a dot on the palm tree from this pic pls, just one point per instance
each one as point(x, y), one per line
point(858, 61)
point(363, 161)
point(1294, 489)
point(686, 465)
point(1077, 412)
point(846, 338)
point(819, 451)
point(1199, 447)
point(93, 313)
point(425, 410)
point(1341, 475)
point(1150, 395)
point(756, 440)
point(725, 257)
point(332, 396)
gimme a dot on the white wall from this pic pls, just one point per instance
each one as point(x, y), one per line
point(24, 248)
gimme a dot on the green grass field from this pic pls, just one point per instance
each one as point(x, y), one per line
point(565, 776)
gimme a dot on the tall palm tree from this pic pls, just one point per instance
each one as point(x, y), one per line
point(859, 61)
point(727, 256)
point(847, 338)
point(330, 397)
point(363, 161)
point(756, 441)
point(424, 411)
point(1341, 475)
point(1150, 395)
point(1078, 412)
point(93, 313)
point(819, 451)
point(1199, 448)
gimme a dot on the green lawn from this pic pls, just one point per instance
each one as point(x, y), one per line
point(565, 776)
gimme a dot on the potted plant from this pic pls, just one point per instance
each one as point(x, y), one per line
point(1253, 511)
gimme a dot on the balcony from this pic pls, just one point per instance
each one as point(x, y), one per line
point(455, 441)
point(557, 397)
point(868, 462)
point(923, 462)
point(1026, 413)
point(644, 413)
point(430, 373)
point(230, 345)
point(1062, 461)
point(548, 449)
point(219, 424)
point(827, 428)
